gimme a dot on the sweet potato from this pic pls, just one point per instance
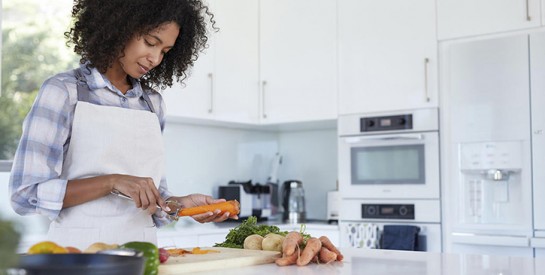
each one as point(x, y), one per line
point(329, 245)
point(288, 260)
point(311, 250)
point(233, 207)
point(326, 256)
point(291, 243)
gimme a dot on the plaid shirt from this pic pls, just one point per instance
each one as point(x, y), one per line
point(35, 183)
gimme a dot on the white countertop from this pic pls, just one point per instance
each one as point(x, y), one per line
point(390, 262)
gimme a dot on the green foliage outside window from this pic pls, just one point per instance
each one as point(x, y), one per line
point(33, 49)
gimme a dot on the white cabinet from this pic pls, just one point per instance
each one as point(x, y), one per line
point(387, 55)
point(298, 60)
point(224, 82)
point(269, 63)
point(459, 18)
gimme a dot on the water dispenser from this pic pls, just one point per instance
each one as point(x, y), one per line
point(491, 189)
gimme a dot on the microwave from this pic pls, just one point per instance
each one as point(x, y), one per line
point(389, 155)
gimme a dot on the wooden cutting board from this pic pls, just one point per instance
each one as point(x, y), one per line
point(227, 257)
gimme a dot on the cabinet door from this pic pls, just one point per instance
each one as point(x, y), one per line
point(223, 85)
point(298, 60)
point(537, 74)
point(193, 99)
point(387, 55)
point(235, 92)
point(457, 18)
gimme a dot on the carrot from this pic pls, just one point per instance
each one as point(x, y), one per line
point(329, 245)
point(233, 207)
point(326, 256)
point(291, 242)
point(311, 249)
point(288, 260)
point(198, 250)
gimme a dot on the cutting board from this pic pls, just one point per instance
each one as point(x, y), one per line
point(227, 257)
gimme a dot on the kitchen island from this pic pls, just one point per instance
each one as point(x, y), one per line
point(391, 262)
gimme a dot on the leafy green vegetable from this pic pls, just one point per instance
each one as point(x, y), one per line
point(235, 237)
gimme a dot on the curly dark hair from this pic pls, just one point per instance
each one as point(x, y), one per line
point(103, 27)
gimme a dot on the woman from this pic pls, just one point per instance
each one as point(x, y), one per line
point(97, 129)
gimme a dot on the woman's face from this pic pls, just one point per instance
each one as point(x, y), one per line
point(143, 53)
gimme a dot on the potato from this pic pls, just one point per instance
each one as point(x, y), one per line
point(253, 242)
point(272, 242)
point(95, 247)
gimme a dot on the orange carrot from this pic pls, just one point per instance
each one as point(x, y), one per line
point(288, 260)
point(198, 250)
point(329, 245)
point(326, 256)
point(233, 207)
point(291, 242)
point(311, 249)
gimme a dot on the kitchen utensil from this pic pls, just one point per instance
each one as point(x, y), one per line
point(293, 201)
point(81, 264)
point(173, 205)
point(226, 258)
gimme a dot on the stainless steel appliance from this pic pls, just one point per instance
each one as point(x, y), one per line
point(255, 200)
point(293, 202)
point(389, 173)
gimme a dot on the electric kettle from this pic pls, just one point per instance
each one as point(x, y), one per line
point(293, 202)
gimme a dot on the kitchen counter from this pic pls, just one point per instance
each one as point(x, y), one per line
point(390, 262)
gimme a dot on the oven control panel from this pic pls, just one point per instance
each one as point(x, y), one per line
point(385, 123)
point(388, 211)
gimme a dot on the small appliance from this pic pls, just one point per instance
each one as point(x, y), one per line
point(254, 199)
point(293, 202)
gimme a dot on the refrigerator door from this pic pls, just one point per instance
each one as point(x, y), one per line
point(537, 71)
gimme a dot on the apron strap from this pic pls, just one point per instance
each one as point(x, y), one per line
point(84, 90)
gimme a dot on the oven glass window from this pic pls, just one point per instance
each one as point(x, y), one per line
point(398, 164)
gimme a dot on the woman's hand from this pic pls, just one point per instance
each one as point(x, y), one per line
point(199, 199)
point(142, 190)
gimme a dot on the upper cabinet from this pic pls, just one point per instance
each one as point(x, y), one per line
point(298, 62)
point(387, 55)
point(272, 61)
point(223, 85)
point(460, 18)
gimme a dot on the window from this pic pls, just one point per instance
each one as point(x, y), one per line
point(33, 48)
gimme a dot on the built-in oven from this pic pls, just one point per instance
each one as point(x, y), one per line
point(389, 155)
point(389, 178)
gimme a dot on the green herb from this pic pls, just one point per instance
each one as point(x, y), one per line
point(235, 237)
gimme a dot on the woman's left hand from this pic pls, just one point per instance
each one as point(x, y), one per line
point(199, 199)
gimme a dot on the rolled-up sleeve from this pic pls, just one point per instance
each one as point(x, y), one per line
point(35, 183)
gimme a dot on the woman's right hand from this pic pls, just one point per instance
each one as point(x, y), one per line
point(141, 189)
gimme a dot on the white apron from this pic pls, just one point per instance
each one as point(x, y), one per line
point(109, 140)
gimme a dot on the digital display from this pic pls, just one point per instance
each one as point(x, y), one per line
point(386, 210)
point(385, 122)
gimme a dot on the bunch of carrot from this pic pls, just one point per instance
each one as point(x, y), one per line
point(318, 250)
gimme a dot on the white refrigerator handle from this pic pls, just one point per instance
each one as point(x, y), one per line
point(496, 240)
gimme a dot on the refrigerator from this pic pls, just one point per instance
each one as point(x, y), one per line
point(537, 72)
point(487, 146)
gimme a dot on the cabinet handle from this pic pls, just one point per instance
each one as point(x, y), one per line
point(538, 132)
point(263, 84)
point(528, 17)
point(211, 109)
point(426, 62)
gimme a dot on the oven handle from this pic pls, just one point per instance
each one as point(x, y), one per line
point(385, 137)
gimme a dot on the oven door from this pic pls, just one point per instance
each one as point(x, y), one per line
point(397, 166)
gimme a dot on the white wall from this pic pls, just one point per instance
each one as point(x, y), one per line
point(311, 156)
